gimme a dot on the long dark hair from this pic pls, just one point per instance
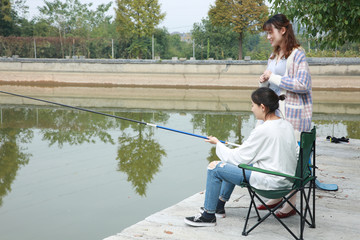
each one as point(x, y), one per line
point(268, 98)
point(279, 21)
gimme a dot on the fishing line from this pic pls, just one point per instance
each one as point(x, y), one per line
point(109, 115)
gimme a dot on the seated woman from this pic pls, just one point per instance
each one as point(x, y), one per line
point(270, 146)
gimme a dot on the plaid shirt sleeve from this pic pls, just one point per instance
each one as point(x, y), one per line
point(298, 79)
point(298, 102)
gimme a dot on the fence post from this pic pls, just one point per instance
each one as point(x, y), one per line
point(112, 48)
point(35, 47)
point(152, 47)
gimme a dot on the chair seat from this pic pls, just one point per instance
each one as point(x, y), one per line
point(272, 194)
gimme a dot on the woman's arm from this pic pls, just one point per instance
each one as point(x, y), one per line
point(300, 80)
point(243, 154)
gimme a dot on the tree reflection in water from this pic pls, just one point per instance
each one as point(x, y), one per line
point(12, 155)
point(139, 155)
point(75, 127)
point(219, 126)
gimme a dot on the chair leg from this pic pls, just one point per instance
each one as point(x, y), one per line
point(260, 220)
point(302, 218)
point(286, 199)
point(313, 225)
point(305, 208)
point(308, 199)
point(256, 210)
point(244, 233)
point(252, 203)
point(253, 195)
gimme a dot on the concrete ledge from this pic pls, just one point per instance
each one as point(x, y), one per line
point(311, 60)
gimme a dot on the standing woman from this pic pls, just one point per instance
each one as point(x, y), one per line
point(288, 73)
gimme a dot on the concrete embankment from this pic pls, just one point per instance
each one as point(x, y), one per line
point(327, 73)
point(337, 214)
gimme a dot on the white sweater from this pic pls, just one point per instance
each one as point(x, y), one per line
point(270, 146)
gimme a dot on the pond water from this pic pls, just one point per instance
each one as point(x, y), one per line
point(68, 174)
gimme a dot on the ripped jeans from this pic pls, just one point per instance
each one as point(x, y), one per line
point(220, 183)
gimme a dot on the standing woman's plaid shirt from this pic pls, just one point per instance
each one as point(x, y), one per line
point(296, 84)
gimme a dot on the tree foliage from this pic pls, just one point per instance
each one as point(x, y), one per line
point(71, 17)
point(75, 29)
point(74, 18)
point(222, 40)
point(136, 20)
point(331, 22)
point(138, 17)
point(241, 16)
point(6, 20)
point(12, 17)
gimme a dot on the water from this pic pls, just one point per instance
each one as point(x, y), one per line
point(67, 174)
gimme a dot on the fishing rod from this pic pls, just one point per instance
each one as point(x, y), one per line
point(109, 115)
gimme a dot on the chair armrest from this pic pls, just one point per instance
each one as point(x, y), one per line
point(247, 167)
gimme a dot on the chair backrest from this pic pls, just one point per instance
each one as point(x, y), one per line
point(307, 146)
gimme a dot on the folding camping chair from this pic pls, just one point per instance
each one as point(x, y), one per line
point(303, 182)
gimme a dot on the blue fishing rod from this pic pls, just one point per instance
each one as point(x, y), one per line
point(109, 115)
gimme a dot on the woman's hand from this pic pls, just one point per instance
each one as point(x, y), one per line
point(265, 76)
point(262, 78)
point(212, 140)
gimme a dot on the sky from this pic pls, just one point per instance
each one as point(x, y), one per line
point(180, 14)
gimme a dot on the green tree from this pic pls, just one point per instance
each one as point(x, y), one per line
point(102, 24)
point(331, 22)
point(161, 36)
point(256, 46)
point(41, 28)
point(20, 9)
point(241, 16)
point(136, 20)
point(71, 17)
point(178, 48)
point(222, 40)
point(12, 17)
point(56, 13)
point(6, 18)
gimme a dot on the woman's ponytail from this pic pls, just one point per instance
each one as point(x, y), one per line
point(282, 97)
point(268, 98)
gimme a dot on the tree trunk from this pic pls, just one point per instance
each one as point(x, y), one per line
point(61, 43)
point(240, 46)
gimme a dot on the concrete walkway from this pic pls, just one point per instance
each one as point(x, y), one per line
point(337, 213)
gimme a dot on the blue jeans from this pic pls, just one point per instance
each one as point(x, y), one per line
point(221, 182)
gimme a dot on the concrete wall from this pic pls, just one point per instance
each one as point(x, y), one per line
point(329, 73)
